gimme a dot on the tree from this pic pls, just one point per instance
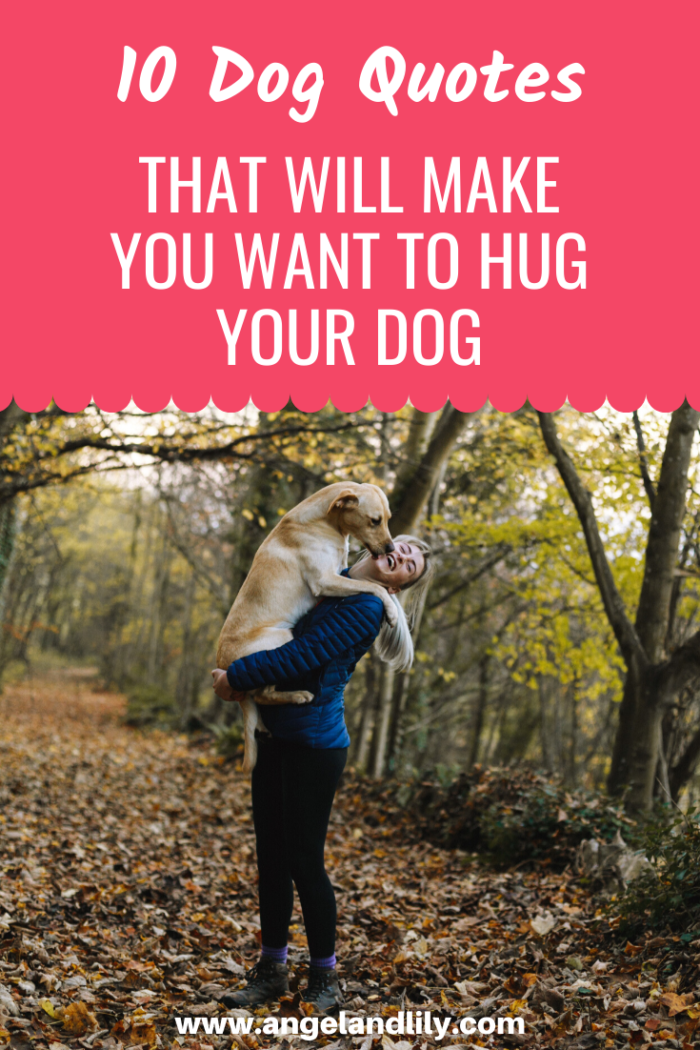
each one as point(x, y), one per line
point(515, 659)
point(54, 447)
point(654, 674)
point(431, 438)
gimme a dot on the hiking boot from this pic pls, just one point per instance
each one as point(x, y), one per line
point(323, 990)
point(267, 980)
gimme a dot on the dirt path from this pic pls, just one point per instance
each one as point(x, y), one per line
point(128, 898)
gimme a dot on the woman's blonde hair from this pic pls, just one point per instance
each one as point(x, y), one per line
point(395, 644)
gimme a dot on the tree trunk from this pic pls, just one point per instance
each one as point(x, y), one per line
point(431, 438)
point(652, 678)
point(619, 775)
point(368, 743)
point(638, 737)
point(573, 746)
point(478, 713)
point(643, 748)
point(383, 719)
point(364, 737)
point(544, 725)
point(8, 515)
point(413, 487)
point(661, 557)
point(398, 701)
point(10, 417)
point(259, 513)
point(183, 685)
point(420, 430)
point(161, 585)
point(398, 706)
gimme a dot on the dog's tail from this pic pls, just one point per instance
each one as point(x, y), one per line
point(394, 644)
point(249, 711)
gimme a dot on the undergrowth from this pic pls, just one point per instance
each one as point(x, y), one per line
point(666, 896)
point(149, 706)
point(508, 816)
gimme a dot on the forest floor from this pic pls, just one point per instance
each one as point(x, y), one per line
point(128, 899)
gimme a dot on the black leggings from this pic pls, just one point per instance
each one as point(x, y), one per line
point(293, 789)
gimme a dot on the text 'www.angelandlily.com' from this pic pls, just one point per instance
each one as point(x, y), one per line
point(406, 1022)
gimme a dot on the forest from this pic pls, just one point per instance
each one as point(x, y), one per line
point(559, 632)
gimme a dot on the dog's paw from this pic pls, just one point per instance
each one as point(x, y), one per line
point(300, 697)
point(391, 614)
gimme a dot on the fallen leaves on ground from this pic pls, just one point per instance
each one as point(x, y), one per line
point(128, 898)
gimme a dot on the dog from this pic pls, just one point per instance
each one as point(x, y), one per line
point(298, 563)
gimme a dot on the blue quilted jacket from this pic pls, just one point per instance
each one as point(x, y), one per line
point(327, 644)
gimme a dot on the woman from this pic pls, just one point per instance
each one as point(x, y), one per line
point(299, 766)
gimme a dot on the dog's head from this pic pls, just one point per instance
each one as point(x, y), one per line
point(363, 512)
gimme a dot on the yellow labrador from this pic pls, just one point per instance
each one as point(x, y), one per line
point(297, 564)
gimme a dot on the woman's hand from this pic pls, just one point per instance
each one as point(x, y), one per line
point(221, 687)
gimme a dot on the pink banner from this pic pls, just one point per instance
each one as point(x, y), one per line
point(350, 201)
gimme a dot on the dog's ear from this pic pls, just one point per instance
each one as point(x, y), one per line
point(343, 500)
point(384, 498)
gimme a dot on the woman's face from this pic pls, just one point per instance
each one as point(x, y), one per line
point(404, 565)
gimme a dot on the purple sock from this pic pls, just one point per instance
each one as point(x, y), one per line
point(324, 964)
point(278, 954)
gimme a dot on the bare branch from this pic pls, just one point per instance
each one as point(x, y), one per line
point(625, 632)
point(181, 452)
point(643, 463)
point(35, 474)
point(472, 578)
point(185, 549)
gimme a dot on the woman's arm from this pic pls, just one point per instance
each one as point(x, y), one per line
point(355, 621)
